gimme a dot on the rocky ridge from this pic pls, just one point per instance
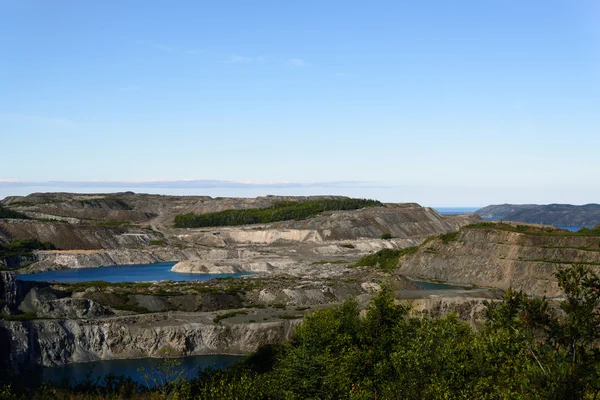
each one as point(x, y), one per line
point(587, 215)
point(497, 255)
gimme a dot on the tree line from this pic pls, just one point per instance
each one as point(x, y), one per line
point(8, 213)
point(279, 211)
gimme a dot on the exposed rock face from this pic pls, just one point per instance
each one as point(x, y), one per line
point(74, 259)
point(587, 215)
point(57, 342)
point(46, 302)
point(67, 237)
point(469, 307)
point(225, 267)
point(8, 292)
point(401, 220)
point(502, 259)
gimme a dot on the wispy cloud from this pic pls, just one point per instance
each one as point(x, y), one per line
point(296, 62)
point(181, 184)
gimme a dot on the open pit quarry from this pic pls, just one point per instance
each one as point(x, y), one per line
point(297, 266)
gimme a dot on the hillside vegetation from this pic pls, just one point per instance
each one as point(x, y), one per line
point(8, 213)
point(23, 247)
point(280, 211)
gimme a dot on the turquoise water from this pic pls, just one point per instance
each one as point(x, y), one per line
point(144, 370)
point(121, 273)
point(435, 286)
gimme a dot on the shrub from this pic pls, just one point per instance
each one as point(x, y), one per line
point(23, 247)
point(229, 314)
point(449, 237)
point(385, 259)
point(386, 236)
point(8, 213)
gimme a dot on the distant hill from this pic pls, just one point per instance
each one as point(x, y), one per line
point(587, 215)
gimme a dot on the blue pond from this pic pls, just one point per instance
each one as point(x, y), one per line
point(144, 370)
point(435, 285)
point(121, 273)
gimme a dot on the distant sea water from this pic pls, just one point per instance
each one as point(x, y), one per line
point(145, 371)
point(456, 210)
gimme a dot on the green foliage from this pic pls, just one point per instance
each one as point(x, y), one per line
point(161, 242)
point(590, 231)
point(385, 259)
point(229, 314)
point(289, 316)
point(23, 247)
point(386, 236)
point(449, 237)
point(8, 213)
point(19, 317)
point(323, 262)
point(348, 246)
point(280, 211)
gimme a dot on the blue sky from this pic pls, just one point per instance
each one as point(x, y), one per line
point(437, 102)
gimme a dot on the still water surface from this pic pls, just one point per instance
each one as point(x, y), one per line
point(121, 273)
point(143, 370)
point(436, 285)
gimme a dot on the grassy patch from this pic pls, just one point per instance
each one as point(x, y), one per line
point(322, 262)
point(385, 259)
point(161, 242)
point(289, 316)
point(23, 247)
point(19, 317)
point(229, 314)
point(132, 307)
point(449, 237)
point(280, 211)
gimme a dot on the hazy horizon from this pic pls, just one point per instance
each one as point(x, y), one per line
point(432, 196)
